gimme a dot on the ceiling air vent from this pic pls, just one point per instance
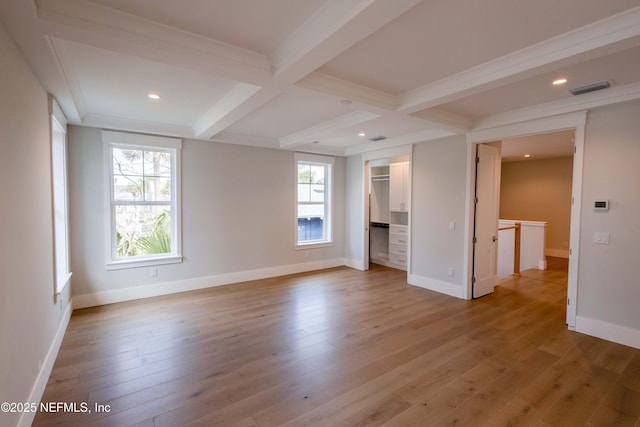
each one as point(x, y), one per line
point(378, 138)
point(592, 87)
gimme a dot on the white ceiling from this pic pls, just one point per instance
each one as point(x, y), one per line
point(538, 147)
point(271, 72)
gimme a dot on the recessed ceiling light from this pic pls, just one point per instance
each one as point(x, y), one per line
point(154, 96)
point(362, 134)
point(527, 155)
point(344, 102)
point(559, 82)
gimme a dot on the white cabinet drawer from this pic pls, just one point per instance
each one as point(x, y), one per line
point(397, 239)
point(398, 250)
point(398, 259)
point(399, 229)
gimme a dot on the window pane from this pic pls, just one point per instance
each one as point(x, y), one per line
point(157, 163)
point(317, 193)
point(157, 189)
point(143, 230)
point(310, 229)
point(304, 173)
point(127, 188)
point(317, 174)
point(304, 191)
point(127, 162)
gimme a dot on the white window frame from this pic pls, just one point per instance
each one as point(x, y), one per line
point(59, 192)
point(329, 163)
point(112, 140)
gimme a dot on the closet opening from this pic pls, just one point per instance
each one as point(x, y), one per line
point(388, 189)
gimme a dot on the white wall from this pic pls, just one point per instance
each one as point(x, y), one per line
point(608, 290)
point(30, 316)
point(238, 220)
point(438, 197)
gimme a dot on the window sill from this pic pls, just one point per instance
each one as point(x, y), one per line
point(146, 262)
point(311, 245)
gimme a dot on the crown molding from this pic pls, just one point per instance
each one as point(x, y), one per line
point(86, 22)
point(70, 77)
point(587, 101)
point(412, 138)
point(305, 136)
point(610, 30)
point(104, 121)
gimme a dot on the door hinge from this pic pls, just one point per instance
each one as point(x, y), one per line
point(568, 301)
point(572, 201)
point(477, 159)
point(475, 200)
point(570, 252)
point(475, 240)
point(473, 280)
point(575, 149)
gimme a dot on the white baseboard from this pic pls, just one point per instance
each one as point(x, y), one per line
point(440, 286)
point(608, 331)
point(26, 419)
point(165, 288)
point(559, 253)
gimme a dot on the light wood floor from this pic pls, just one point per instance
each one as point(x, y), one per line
point(344, 348)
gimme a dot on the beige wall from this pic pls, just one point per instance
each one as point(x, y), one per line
point(608, 289)
point(29, 314)
point(540, 190)
point(237, 214)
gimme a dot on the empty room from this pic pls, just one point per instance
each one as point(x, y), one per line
point(319, 213)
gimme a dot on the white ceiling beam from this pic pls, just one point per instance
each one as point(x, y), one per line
point(445, 120)
point(316, 132)
point(412, 138)
point(100, 26)
point(611, 30)
point(574, 104)
point(334, 28)
point(344, 89)
point(240, 101)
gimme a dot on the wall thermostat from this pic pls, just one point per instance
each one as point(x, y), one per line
point(601, 205)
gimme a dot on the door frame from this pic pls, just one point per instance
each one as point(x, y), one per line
point(575, 121)
point(389, 153)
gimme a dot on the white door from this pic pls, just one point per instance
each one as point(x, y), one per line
point(487, 199)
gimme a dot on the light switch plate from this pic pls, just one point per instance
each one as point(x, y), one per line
point(601, 238)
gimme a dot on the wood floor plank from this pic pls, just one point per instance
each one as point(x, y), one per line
point(341, 347)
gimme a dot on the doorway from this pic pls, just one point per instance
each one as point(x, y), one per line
point(387, 208)
point(574, 122)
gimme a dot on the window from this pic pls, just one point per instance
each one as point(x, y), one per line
point(143, 191)
point(313, 205)
point(60, 206)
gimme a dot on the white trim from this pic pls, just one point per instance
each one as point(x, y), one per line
point(608, 331)
point(308, 135)
point(165, 288)
point(575, 121)
point(328, 163)
point(451, 289)
point(127, 138)
point(144, 262)
point(613, 29)
point(396, 142)
point(565, 106)
point(26, 419)
point(549, 124)
point(110, 140)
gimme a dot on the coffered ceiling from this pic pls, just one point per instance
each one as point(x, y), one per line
point(312, 75)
